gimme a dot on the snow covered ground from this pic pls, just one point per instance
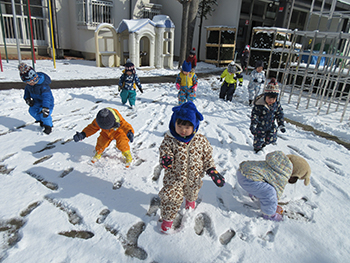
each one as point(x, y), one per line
point(58, 207)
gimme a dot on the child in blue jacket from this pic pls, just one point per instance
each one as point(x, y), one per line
point(127, 84)
point(38, 95)
point(266, 110)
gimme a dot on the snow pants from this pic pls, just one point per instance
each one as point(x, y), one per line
point(103, 141)
point(128, 95)
point(173, 192)
point(35, 112)
point(253, 91)
point(227, 90)
point(186, 94)
point(264, 191)
point(264, 138)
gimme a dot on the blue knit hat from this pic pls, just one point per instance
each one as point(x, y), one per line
point(186, 66)
point(186, 112)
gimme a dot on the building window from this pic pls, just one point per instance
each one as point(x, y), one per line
point(94, 12)
point(150, 10)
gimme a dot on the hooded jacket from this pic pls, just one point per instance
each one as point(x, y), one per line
point(275, 170)
point(40, 92)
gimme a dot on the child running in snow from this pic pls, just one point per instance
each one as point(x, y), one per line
point(192, 59)
point(127, 84)
point(113, 127)
point(267, 179)
point(230, 76)
point(185, 155)
point(266, 110)
point(38, 95)
point(257, 79)
point(186, 84)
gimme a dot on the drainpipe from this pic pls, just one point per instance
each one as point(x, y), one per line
point(130, 9)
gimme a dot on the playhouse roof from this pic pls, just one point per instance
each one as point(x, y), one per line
point(133, 25)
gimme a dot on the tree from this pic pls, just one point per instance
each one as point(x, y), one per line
point(205, 9)
point(189, 15)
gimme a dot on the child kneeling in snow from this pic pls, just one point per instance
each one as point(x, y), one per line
point(185, 155)
point(186, 83)
point(267, 179)
point(114, 127)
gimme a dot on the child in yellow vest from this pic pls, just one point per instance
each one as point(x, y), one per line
point(186, 84)
point(230, 76)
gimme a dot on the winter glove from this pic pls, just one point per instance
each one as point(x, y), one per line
point(263, 81)
point(130, 136)
point(282, 128)
point(46, 112)
point(120, 88)
point(79, 136)
point(255, 80)
point(218, 179)
point(194, 87)
point(177, 86)
point(166, 161)
point(240, 84)
point(140, 89)
point(220, 79)
point(30, 102)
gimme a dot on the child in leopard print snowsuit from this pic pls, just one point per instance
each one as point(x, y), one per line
point(185, 155)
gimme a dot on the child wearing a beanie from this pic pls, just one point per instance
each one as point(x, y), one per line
point(192, 59)
point(113, 127)
point(256, 81)
point(266, 111)
point(230, 75)
point(186, 83)
point(245, 57)
point(38, 95)
point(186, 155)
point(127, 84)
point(267, 179)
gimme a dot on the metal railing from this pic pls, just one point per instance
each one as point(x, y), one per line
point(94, 12)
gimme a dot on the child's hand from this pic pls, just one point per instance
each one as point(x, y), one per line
point(45, 112)
point(177, 86)
point(218, 179)
point(30, 102)
point(130, 136)
point(282, 128)
point(166, 161)
point(120, 88)
point(195, 87)
point(240, 84)
point(79, 136)
point(255, 80)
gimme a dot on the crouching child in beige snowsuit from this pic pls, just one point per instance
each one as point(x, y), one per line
point(186, 155)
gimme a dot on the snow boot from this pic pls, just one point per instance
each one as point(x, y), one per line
point(166, 226)
point(190, 205)
point(128, 158)
point(40, 122)
point(96, 157)
point(275, 217)
point(279, 210)
point(47, 129)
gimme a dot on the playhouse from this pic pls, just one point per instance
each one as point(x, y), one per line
point(147, 43)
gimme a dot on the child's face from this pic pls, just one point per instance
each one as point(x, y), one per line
point(259, 69)
point(185, 72)
point(129, 73)
point(183, 130)
point(270, 100)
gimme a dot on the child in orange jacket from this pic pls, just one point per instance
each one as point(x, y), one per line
point(114, 127)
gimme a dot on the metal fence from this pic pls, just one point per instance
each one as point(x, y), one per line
point(313, 69)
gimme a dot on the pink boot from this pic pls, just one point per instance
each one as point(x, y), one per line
point(276, 217)
point(190, 204)
point(166, 226)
